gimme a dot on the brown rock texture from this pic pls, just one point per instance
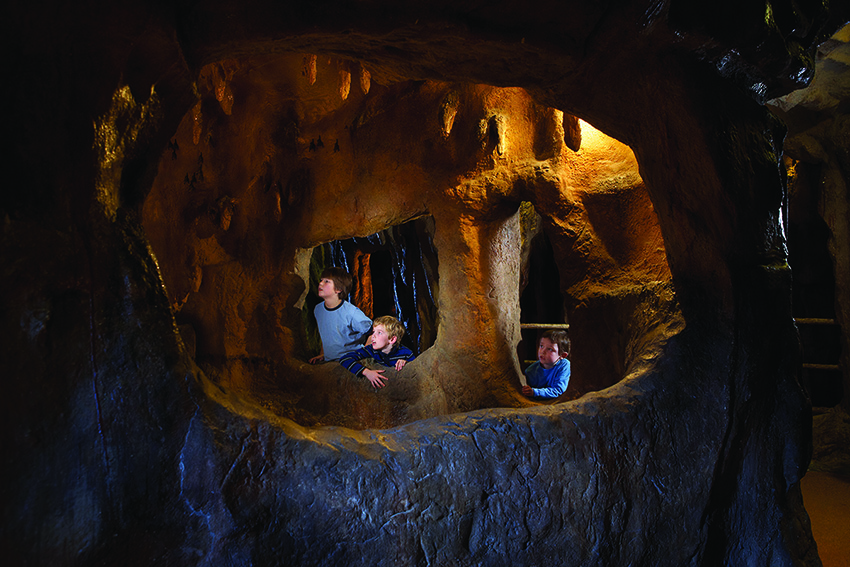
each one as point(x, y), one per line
point(229, 222)
point(168, 169)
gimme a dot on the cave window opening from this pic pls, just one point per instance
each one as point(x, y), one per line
point(394, 273)
point(541, 300)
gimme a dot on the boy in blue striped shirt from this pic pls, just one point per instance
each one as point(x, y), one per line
point(384, 347)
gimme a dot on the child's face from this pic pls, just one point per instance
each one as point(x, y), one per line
point(547, 353)
point(327, 289)
point(380, 340)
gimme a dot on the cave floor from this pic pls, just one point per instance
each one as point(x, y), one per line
point(827, 500)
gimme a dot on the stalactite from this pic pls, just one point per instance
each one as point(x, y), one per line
point(222, 75)
point(448, 112)
point(344, 83)
point(197, 125)
point(365, 80)
point(310, 69)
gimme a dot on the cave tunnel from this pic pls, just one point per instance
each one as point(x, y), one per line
point(205, 157)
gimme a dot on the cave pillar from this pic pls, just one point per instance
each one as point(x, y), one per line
point(479, 306)
point(718, 197)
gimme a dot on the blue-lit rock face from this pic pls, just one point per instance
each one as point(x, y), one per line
point(144, 207)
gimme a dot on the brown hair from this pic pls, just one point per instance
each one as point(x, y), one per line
point(392, 325)
point(342, 280)
point(560, 338)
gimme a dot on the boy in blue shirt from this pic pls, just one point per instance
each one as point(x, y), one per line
point(342, 326)
point(384, 346)
point(550, 375)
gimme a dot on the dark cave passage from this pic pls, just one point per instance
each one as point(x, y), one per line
point(813, 289)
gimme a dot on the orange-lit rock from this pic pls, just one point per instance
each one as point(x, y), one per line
point(465, 154)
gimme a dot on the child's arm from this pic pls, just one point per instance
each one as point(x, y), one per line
point(359, 325)
point(402, 356)
point(350, 360)
point(557, 385)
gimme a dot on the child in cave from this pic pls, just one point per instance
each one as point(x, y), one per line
point(342, 326)
point(385, 347)
point(550, 375)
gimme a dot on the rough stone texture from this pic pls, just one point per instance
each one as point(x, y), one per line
point(831, 432)
point(118, 450)
point(398, 157)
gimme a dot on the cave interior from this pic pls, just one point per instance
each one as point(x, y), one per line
point(668, 182)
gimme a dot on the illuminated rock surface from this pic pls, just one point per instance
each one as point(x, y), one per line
point(691, 436)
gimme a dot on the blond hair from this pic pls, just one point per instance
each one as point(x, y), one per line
point(392, 325)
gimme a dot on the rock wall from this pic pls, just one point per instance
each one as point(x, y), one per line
point(118, 449)
point(229, 222)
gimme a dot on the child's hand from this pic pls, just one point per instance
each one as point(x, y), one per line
point(374, 377)
point(317, 358)
point(527, 391)
point(399, 364)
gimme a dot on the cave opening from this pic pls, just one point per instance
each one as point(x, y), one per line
point(395, 272)
point(541, 299)
point(282, 160)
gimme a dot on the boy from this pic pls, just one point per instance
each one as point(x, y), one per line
point(342, 326)
point(550, 375)
point(385, 347)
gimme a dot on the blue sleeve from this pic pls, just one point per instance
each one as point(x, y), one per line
point(350, 360)
point(402, 353)
point(558, 381)
point(360, 324)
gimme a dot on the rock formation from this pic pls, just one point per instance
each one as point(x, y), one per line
point(178, 164)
